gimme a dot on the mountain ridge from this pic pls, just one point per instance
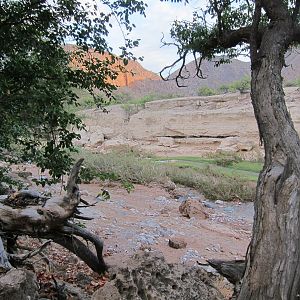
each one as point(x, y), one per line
point(215, 77)
point(134, 70)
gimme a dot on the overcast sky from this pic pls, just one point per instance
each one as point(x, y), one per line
point(159, 17)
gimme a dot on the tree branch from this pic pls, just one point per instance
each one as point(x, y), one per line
point(296, 34)
point(21, 258)
point(253, 40)
point(230, 39)
point(76, 246)
point(296, 10)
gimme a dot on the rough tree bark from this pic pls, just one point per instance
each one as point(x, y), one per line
point(270, 28)
point(273, 264)
point(51, 220)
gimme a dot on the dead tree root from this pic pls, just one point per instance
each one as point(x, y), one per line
point(50, 219)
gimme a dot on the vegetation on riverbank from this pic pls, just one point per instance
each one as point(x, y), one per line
point(204, 174)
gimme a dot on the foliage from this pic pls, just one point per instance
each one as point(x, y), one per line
point(213, 185)
point(206, 91)
point(242, 86)
point(131, 167)
point(295, 83)
point(123, 165)
point(6, 182)
point(38, 77)
point(222, 163)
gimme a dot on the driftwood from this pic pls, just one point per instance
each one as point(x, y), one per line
point(4, 262)
point(233, 270)
point(49, 218)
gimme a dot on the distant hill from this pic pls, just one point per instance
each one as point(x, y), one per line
point(135, 72)
point(215, 77)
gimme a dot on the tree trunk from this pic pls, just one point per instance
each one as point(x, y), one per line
point(273, 262)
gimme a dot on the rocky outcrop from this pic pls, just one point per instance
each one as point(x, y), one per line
point(148, 276)
point(18, 284)
point(189, 126)
point(133, 70)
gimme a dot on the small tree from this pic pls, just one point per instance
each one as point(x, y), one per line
point(38, 76)
point(206, 91)
point(37, 81)
point(267, 28)
point(242, 85)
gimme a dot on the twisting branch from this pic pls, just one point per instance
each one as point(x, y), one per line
point(50, 221)
point(89, 236)
point(21, 258)
point(198, 63)
point(253, 41)
point(182, 59)
point(75, 216)
point(67, 238)
point(4, 262)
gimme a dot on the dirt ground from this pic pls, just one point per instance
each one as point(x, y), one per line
point(145, 219)
point(148, 216)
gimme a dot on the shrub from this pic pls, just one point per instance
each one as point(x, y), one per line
point(213, 184)
point(130, 167)
point(206, 91)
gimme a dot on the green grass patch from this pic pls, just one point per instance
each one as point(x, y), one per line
point(128, 166)
point(247, 170)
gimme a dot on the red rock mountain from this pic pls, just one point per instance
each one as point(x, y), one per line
point(134, 71)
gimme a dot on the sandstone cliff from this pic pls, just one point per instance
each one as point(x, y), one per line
point(182, 126)
point(132, 73)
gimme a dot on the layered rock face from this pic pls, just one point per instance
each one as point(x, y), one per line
point(189, 126)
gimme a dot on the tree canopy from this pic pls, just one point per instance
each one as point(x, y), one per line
point(37, 77)
point(225, 29)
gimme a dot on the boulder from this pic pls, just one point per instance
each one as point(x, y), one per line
point(177, 243)
point(166, 141)
point(169, 185)
point(229, 144)
point(117, 143)
point(147, 276)
point(18, 284)
point(193, 208)
point(96, 139)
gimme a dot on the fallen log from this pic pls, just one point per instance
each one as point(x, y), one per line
point(4, 262)
point(233, 270)
point(51, 220)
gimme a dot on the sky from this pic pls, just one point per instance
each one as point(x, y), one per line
point(159, 17)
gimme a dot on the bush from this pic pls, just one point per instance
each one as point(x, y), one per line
point(130, 167)
point(294, 83)
point(206, 91)
point(123, 165)
point(214, 185)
